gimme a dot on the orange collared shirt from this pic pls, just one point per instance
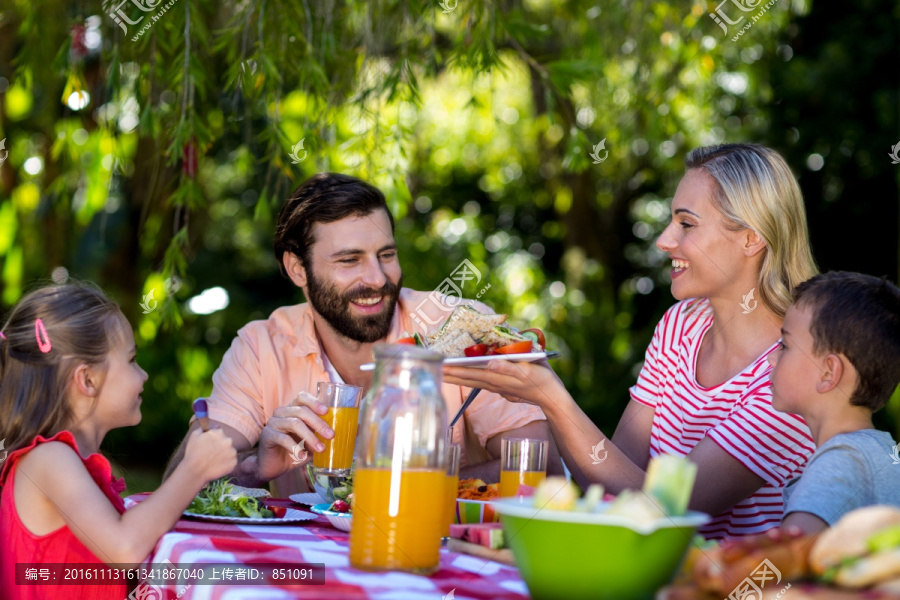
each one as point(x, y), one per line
point(271, 361)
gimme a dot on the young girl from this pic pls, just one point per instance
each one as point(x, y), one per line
point(68, 375)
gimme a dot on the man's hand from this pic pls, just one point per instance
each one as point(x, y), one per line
point(287, 427)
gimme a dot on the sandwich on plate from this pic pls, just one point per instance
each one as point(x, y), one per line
point(861, 550)
point(468, 332)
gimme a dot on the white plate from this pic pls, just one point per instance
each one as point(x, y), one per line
point(291, 516)
point(479, 361)
point(341, 521)
point(308, 498)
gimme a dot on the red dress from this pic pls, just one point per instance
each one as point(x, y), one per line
point(18, 544)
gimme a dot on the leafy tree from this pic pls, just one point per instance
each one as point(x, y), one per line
point(540, 140)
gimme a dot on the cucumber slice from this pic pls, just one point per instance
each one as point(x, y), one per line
point(886, 539)
point(670, 480)
point(531, 336)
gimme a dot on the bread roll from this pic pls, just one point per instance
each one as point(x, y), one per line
point(849, 536)
point(867, 571)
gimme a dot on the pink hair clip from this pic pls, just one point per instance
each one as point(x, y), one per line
point(39, 331)
point(2, 335)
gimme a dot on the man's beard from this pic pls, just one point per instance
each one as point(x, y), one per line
point(335, 308)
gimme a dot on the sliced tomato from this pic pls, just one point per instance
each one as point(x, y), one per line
point(536, 335)
point(278, 511)
point(476, 350)
point(516, 348)
point(411, 341)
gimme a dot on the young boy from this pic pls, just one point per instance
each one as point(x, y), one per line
point(839, 362)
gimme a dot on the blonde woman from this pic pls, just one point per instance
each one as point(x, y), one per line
point(738, 226)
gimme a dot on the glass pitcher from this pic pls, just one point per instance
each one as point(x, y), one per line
point(400, 475)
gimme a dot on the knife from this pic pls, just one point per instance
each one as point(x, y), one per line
point(465, 405)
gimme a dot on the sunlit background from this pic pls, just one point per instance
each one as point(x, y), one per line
point(540, 140)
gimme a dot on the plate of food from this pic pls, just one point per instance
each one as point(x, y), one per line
point(220, 501)
point(857, 557)
point(471, 338)
point(339, 513)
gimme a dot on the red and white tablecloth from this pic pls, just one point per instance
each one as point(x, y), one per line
point(316, 541)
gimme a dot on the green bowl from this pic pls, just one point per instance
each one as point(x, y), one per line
point(574, 555)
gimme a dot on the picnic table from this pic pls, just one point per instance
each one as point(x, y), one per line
point(314, 542)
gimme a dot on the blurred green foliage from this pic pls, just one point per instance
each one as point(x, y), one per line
point(479, 123)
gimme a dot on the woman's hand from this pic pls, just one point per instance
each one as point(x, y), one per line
point(531, 383)
point(288, 426)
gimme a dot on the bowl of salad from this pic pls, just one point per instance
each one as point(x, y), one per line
point(588, 548)
point(339, 512)
point(340, 519)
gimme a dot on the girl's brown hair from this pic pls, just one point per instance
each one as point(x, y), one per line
point(81, 324)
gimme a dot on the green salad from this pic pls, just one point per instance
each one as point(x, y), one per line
point(218, 498)
point(343, 496)
point(345, 490)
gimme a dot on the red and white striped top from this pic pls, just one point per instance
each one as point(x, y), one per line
point(737, 415)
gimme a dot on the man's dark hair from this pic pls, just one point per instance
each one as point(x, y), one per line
point(858, 316)
point(323, 198)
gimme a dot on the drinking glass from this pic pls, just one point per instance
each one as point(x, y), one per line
point(342, 401)
point(453, 454)
point(522, 462)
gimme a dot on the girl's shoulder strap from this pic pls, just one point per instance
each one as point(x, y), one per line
point(13, 457)
point(97, 466)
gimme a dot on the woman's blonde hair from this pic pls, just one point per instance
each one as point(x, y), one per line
point(755, 189)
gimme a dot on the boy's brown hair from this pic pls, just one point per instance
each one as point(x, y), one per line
point(858, 316)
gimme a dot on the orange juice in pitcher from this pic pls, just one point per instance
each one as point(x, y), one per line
point(397, 525)
point(400, 478)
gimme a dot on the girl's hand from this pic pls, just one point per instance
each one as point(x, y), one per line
point(210, 454)
point(531, 383)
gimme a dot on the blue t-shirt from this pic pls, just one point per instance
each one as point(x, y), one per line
point(849, 471)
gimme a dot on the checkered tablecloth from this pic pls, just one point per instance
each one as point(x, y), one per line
point(317, 541)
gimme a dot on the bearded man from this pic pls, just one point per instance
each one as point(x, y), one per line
point(335, 241)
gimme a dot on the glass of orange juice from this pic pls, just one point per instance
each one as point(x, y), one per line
point(453, 452)
point(522, 462)
point(343, 417)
